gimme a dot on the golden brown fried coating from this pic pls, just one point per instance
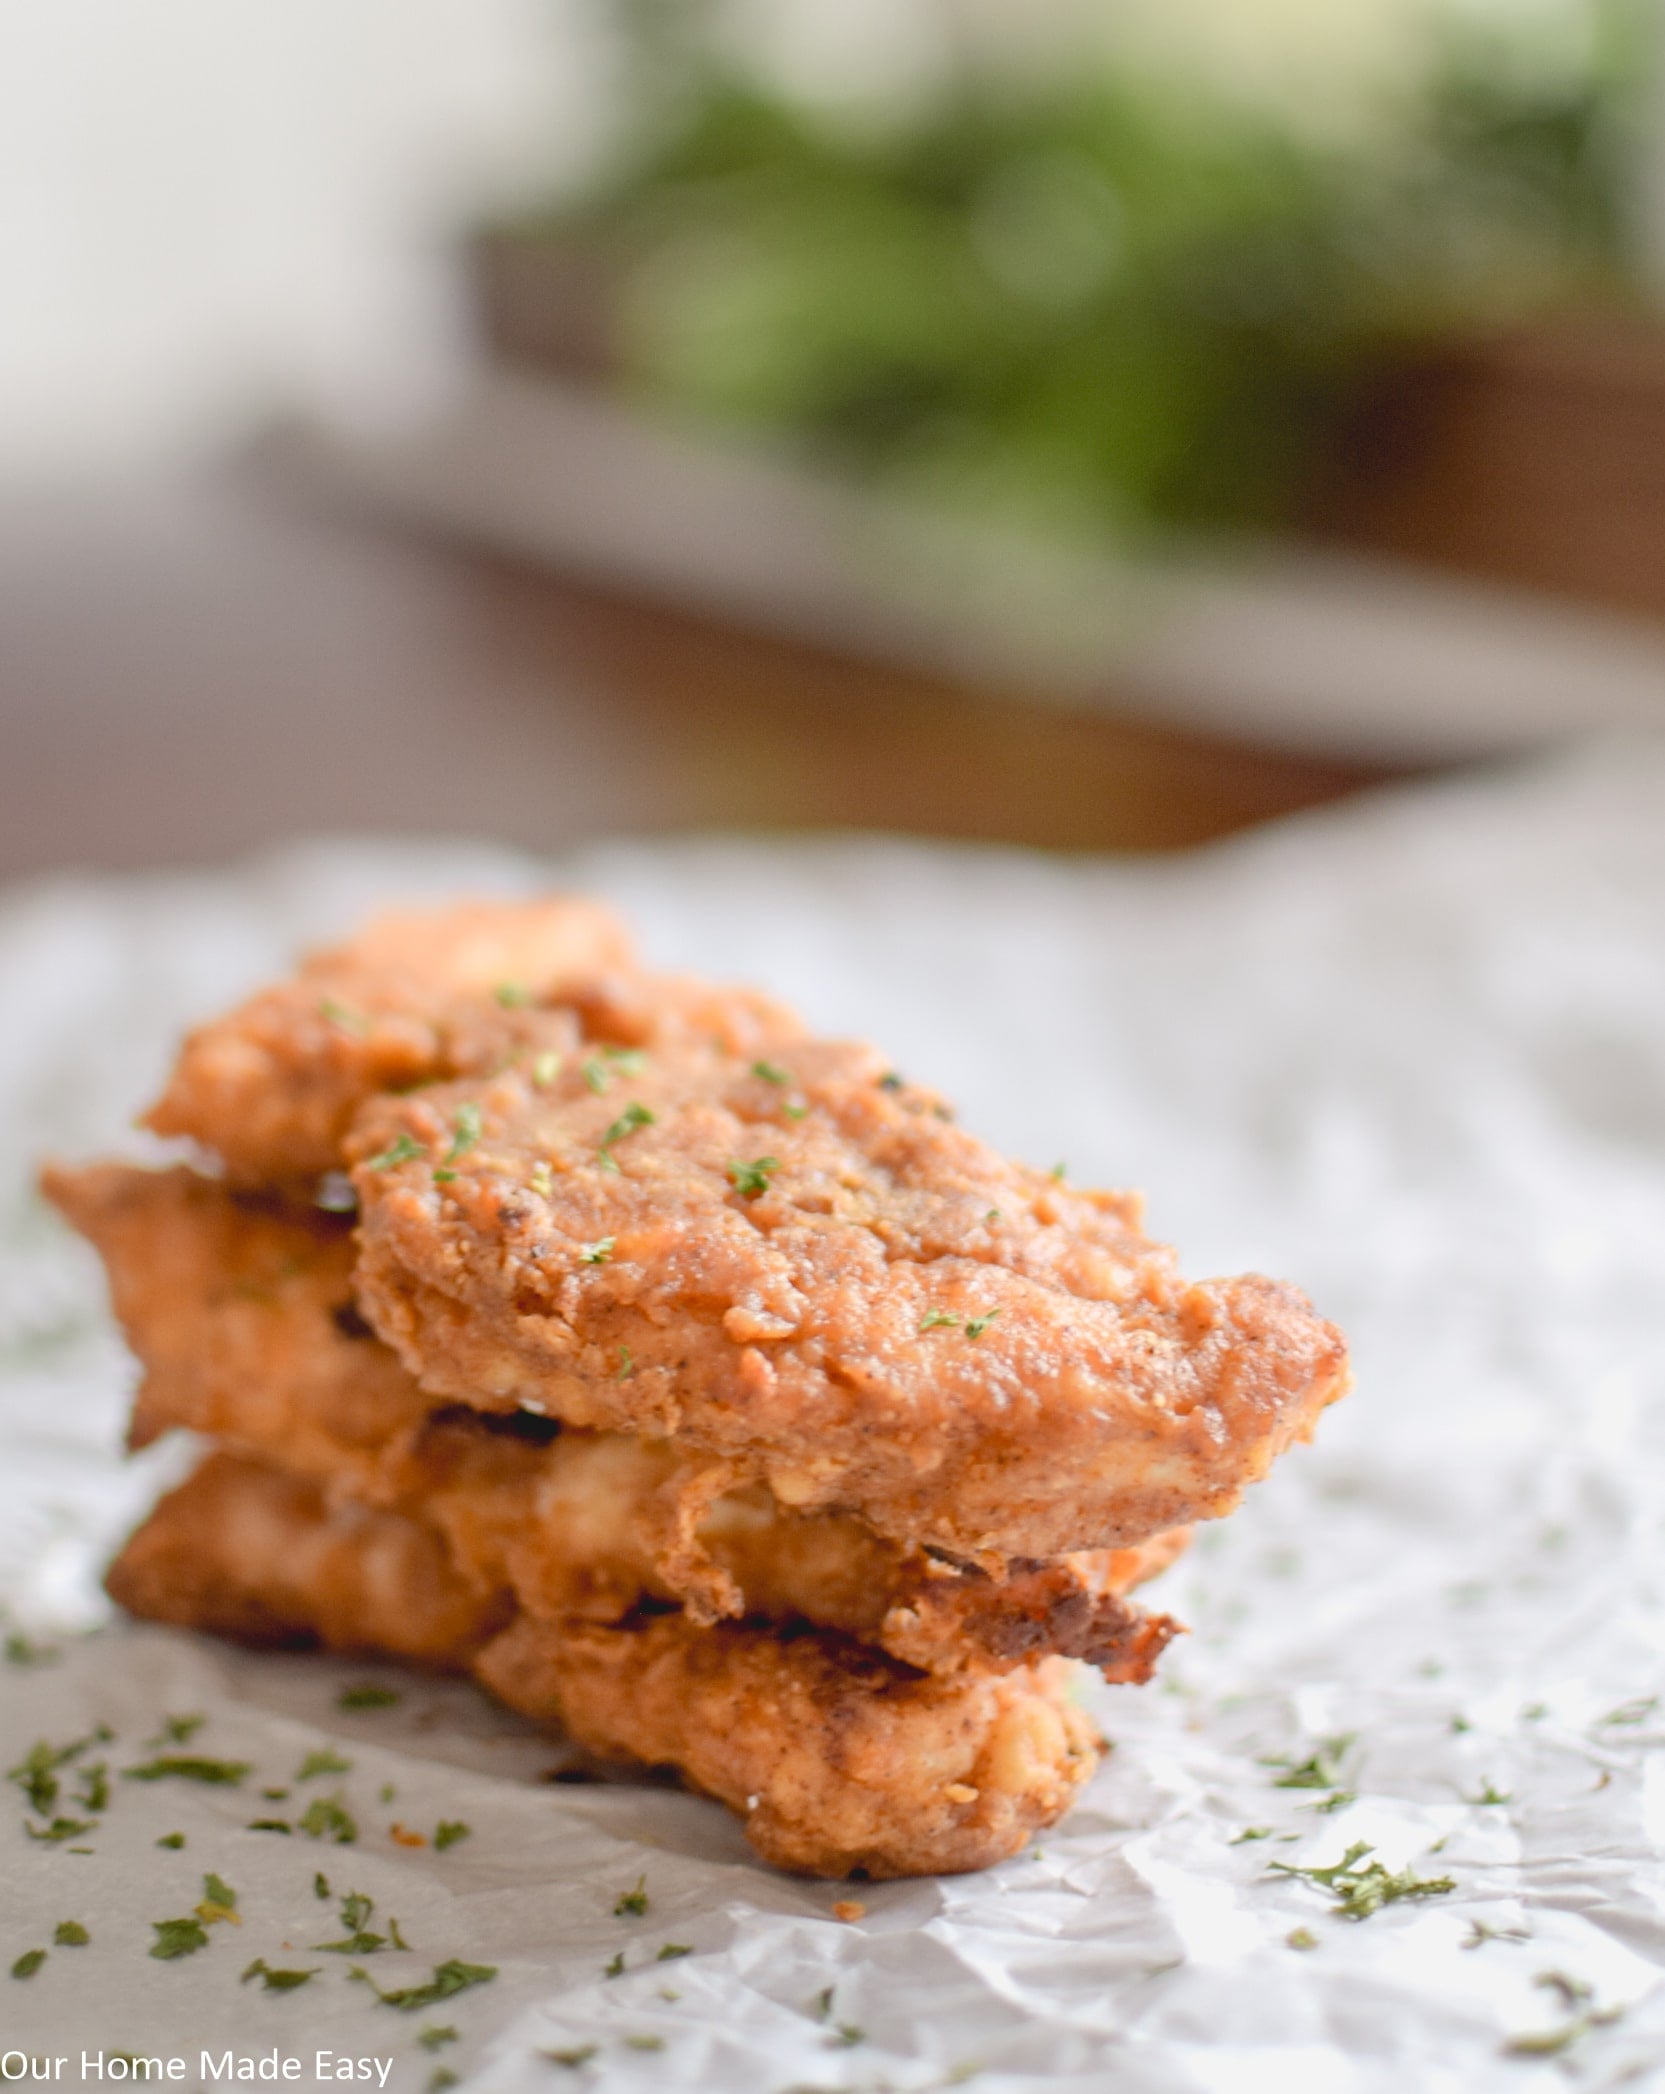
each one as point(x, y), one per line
point(272, 1086)
point(596, 1534)
point(242, 1550)
point(243, 1317)
point(802, 1269)
point(837, 1759)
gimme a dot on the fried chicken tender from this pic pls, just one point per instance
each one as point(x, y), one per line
point(586, 1536)
point(271, 1087)
point(838, 1760)
point(243, 1550)
point(803, 1270)
point(242, 1314)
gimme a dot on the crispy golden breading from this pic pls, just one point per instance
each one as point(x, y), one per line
point(242, 1314)
point(242, 1550)
point(696, 1384)
point(271, 1087)
point(837, 1759)
point(243, 1318)
point(824, 1284)
point(596, 1532)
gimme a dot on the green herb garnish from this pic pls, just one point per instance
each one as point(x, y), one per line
point(627, 1364)
point(1362, 1887)
point(979, 1324)
point(61, 1829)
point(339, 1014)
point(176, 1730)
point(634, 1115)
point(673, 1949)
point(1482, 1931)
point(543, 1180)
point(437, 2036)
point(1301, 1938)
point(939, 1320)
point(644, 2043)
point(1637, 1711)
point(24, 1651)
point(631, 1904)
point(404, 1148)
point(1321, 1770)
point(581, 2054)
point(180, 1766)
point(770, 1072)
point(268, 1825)
point(219, 1900)
point(171, 1839)
point(28, 1963)
point(366, 1695)
point(70, 1934)
point(176, 1938)
point(1576, 1997)
point(615, 1966)
point(325, 1762)
point(448, 1831)
point(36, 1774)
point(276, 1980)
point(450, 1977)
point(465, 1132)
point(545, 1069)
point(597, 1253)
point(752, 1179)
point(327, 1818)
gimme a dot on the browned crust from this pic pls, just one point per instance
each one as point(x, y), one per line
point(242, 1550)
point(271, 1087)
point(838, 1761)
point(813, 1334)
point(243, 1316)
point(242, 1312)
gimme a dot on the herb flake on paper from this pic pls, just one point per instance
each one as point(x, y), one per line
point(1361, 1886)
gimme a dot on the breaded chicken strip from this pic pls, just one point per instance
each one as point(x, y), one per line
point(838, 1760)
point(799, 1267)
point(243, 1550)
point(271, 1087)
point(242, 1314)
point(588, 1526)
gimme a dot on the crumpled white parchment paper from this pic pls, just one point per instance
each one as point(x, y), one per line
point(1411, 1053)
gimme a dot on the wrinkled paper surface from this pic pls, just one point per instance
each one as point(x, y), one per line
point(1410, 1053)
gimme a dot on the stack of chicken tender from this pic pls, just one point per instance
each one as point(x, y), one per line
point(695, 1383)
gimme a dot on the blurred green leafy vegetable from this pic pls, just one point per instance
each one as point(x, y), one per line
point(1094, 297)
